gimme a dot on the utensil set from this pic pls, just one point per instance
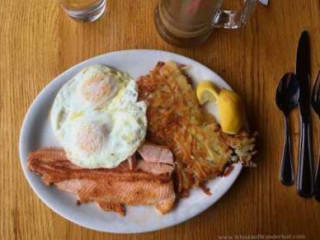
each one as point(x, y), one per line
point(294, 90)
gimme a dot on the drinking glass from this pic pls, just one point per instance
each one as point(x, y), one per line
point(84, 10)
point(188, 23)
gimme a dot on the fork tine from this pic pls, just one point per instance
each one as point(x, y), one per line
point(317, 87)
point(315, 90)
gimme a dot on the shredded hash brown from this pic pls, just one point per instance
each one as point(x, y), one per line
point(175, 119)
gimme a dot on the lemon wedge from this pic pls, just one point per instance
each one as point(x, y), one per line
point(231, 111)
point(207, 92)
point(229, 104)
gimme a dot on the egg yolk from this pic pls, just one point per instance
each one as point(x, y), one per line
point(91, 136)
point(97, 88)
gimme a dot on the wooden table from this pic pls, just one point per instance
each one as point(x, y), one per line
point(38, 42)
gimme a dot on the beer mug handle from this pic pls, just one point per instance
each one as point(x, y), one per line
point(234, 19)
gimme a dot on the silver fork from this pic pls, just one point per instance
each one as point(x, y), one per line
point(315, 102)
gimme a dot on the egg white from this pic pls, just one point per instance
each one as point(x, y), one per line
point(99, 130)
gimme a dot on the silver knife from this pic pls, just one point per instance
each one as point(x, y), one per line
point(305, 167)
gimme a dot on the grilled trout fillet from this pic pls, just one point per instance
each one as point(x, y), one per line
point(142, 183)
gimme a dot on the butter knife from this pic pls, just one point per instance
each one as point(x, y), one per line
point(305, 183)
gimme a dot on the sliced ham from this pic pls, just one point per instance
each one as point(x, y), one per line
point(156, 153)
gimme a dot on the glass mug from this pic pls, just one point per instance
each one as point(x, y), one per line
point(188, 23)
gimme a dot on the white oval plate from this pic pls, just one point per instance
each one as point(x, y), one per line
point(36, 133)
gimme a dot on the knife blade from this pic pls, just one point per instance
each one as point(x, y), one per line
point(303, 74)
point(305, 167)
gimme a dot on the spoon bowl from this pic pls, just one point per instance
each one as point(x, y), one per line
point(287, 97)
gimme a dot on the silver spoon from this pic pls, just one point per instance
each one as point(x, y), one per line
point(287, 97)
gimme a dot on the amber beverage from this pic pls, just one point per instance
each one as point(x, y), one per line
point(189, 22)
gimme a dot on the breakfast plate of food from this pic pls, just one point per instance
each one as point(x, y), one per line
point(134, 141)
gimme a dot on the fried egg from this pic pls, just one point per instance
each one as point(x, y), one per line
point(97, 118)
